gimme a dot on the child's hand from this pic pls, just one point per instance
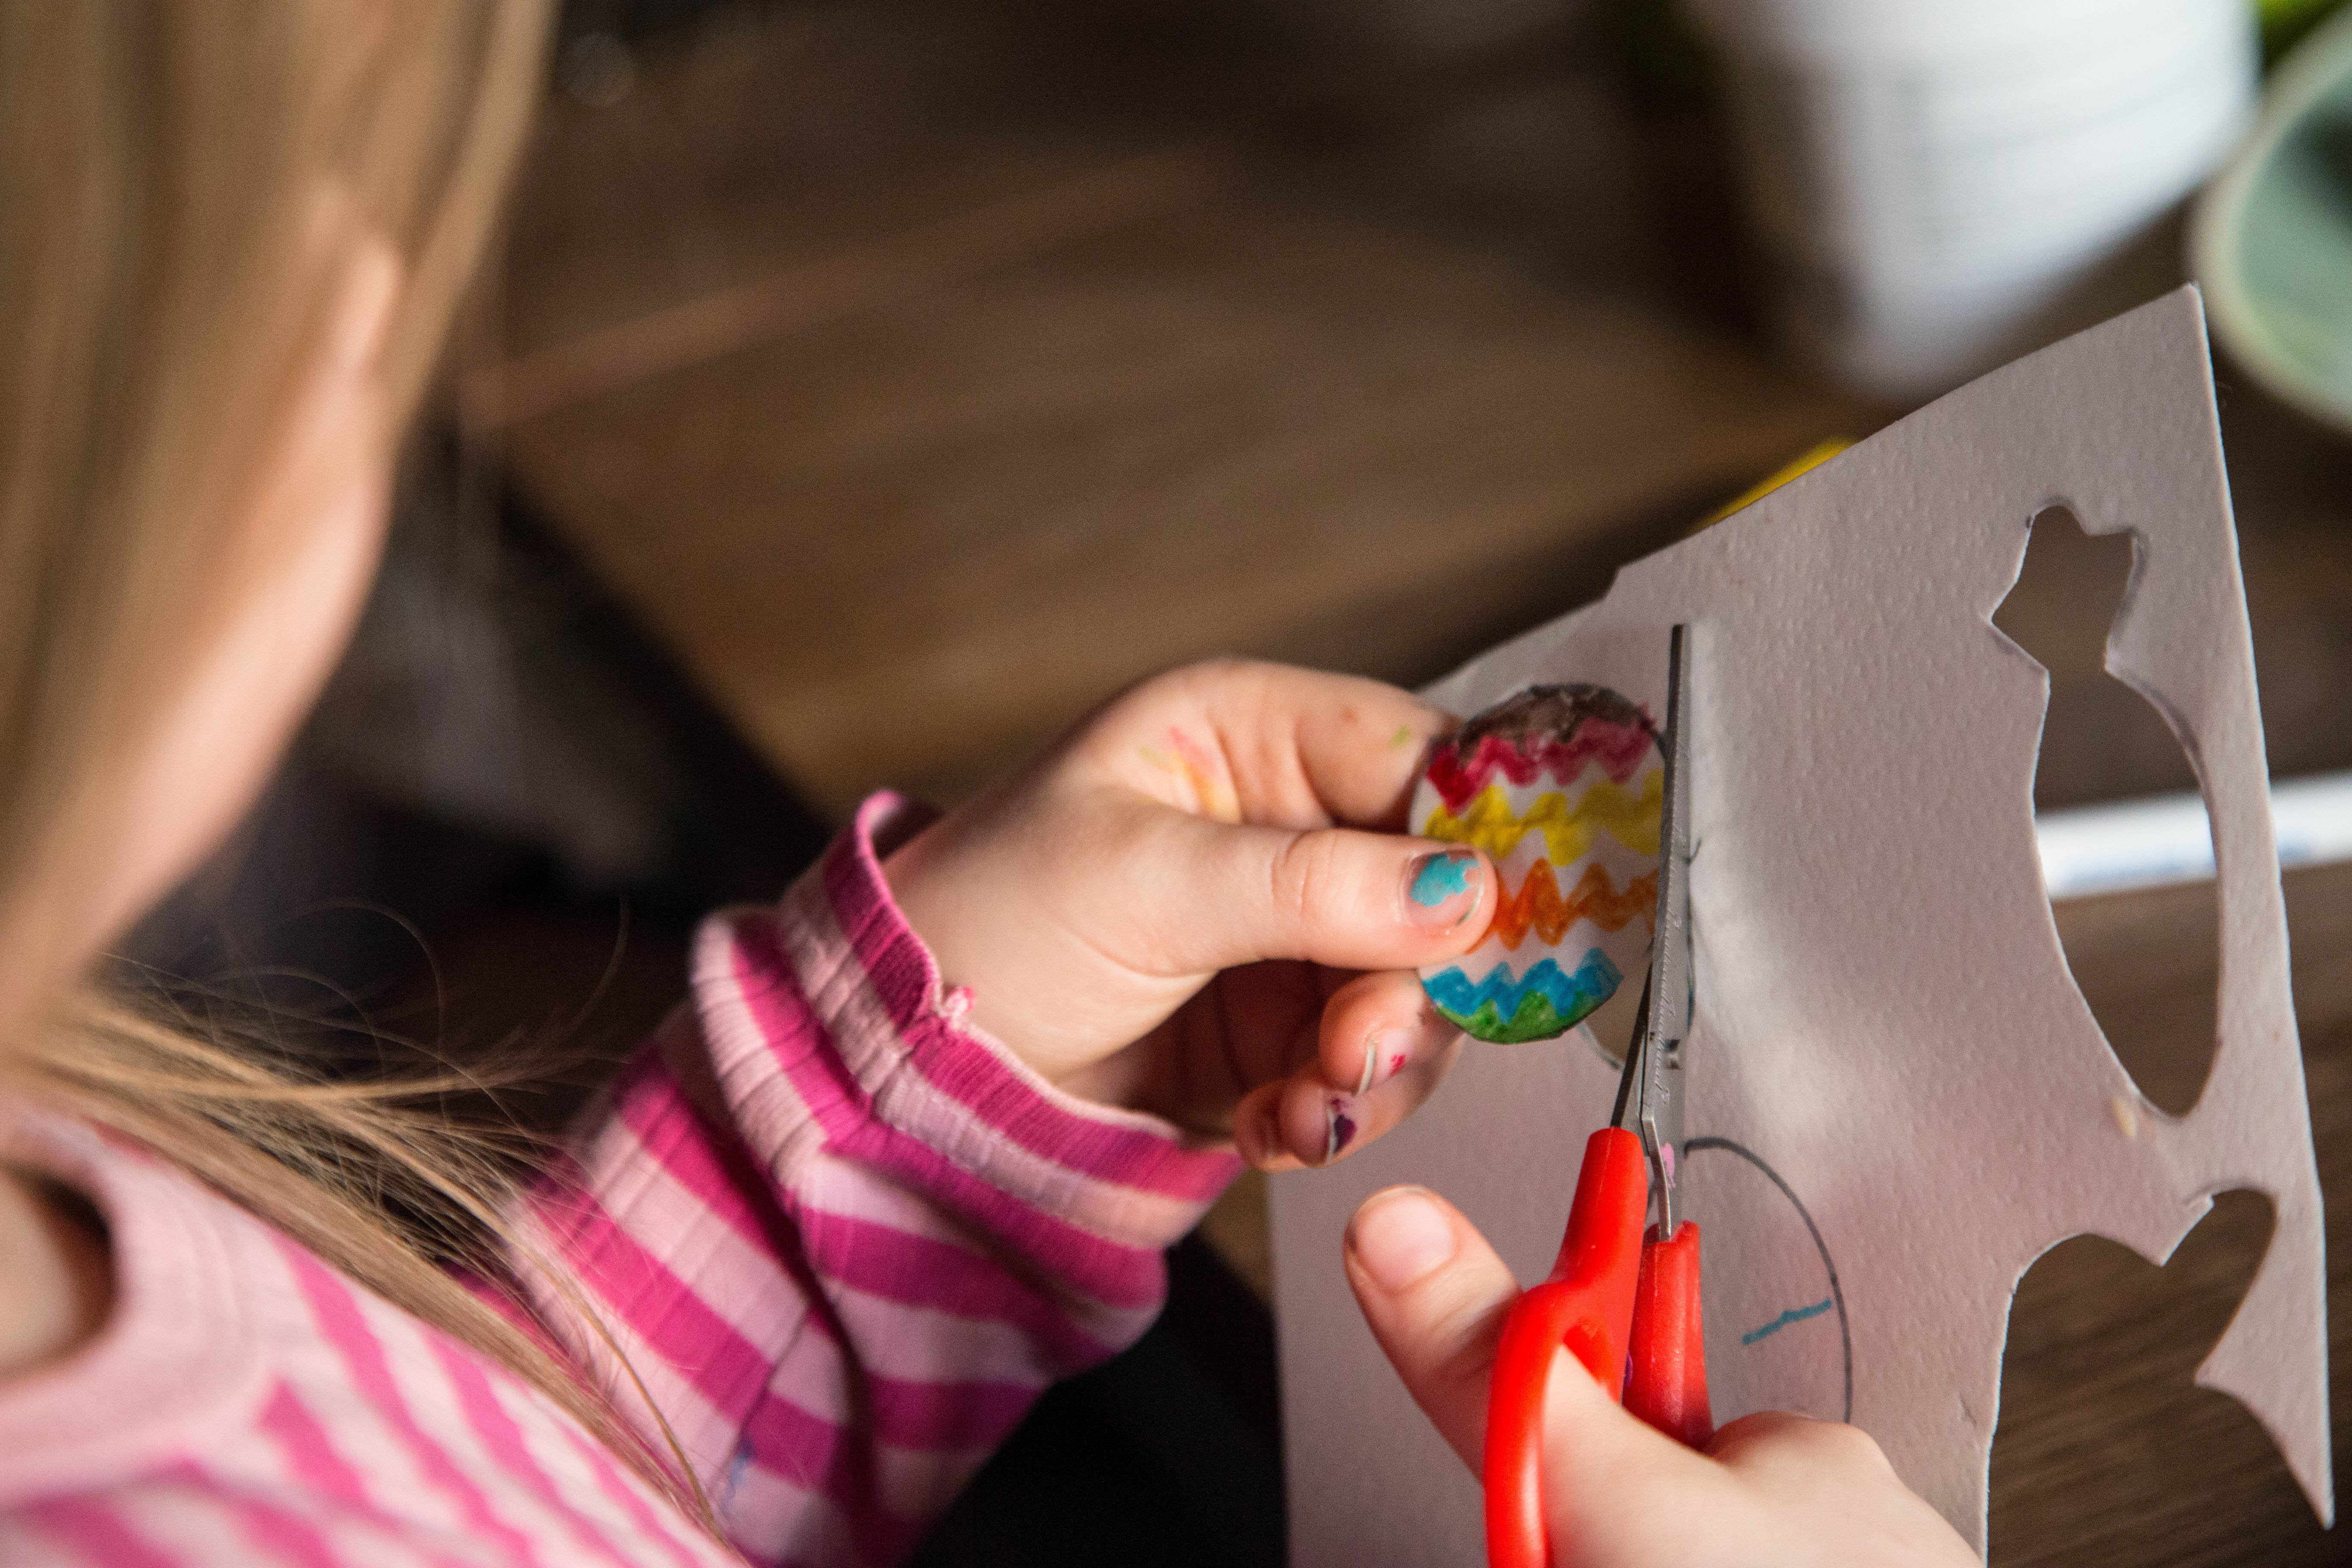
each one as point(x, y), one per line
point(1769, 1488)
point(1177, 909)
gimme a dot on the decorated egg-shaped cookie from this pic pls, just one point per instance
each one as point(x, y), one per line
point(1563, 787)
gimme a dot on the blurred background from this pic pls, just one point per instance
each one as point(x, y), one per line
point(866, 389)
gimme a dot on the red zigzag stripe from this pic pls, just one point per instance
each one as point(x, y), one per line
point(1619, 749)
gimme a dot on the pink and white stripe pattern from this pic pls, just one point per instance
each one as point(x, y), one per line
point(844, 1240)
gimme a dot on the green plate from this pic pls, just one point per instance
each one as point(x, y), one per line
point(2272, 240)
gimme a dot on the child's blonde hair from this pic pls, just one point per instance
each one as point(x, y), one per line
point(164, 167)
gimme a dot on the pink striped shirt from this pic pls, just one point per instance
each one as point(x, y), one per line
point(844, 1240)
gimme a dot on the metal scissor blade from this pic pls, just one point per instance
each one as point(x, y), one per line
point(1631, 1077)
point(1666, 1005)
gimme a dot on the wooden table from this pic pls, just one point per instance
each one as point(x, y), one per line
point(919, 420)
point(2106, 1452)
point(919, 384)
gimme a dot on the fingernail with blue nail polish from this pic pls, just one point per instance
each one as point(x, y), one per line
point(1441, 889)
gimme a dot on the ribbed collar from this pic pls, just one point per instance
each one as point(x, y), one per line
point(179, 1355)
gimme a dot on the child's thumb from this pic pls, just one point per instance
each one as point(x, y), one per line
point(1334, 895)
point(1435, 1296)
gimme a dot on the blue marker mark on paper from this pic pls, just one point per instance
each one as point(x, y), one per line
point(1793, 1315)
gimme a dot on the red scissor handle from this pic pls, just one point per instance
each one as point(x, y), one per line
point(1589, 1306)
point(1665, 1373)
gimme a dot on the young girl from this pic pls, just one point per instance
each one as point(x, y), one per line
point(909, 1152)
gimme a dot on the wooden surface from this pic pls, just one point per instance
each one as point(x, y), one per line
point(949, 417)
point(919, 384)
point(2107, 1451)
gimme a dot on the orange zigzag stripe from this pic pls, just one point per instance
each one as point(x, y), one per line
point(1537, 905)
point(1630, 816)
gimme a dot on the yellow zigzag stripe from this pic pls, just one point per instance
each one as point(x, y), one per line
point(1628, 815)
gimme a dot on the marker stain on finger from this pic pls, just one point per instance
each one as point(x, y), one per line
point(1201, 771)
point(1385, 1058)
point(1338, 1126)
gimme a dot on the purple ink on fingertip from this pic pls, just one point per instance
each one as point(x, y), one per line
point(1338, 1128)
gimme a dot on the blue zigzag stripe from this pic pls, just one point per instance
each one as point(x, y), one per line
point(1571, 997)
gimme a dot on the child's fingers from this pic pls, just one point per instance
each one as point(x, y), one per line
point(1376, 1031)
point(1227, 895)
point(1434, 1295)
point(1257, 1128)
point(1270, 743)
point(1787, 1490)
point(1375, 1026)
point(1302, 1121)
point(1359, 743)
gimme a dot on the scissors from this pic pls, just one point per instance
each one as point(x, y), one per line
point(1623, 1302)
